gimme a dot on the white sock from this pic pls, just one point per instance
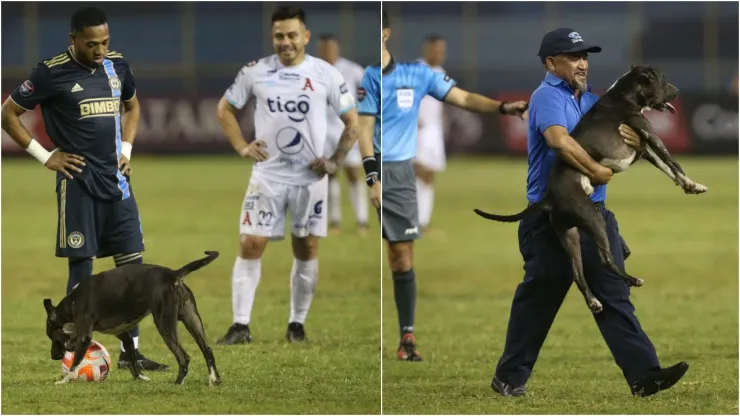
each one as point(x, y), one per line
point(335, 203)
point(425, 198)
point(136, 344)
point(303, 278)
point(358, 196)
point(244, 281)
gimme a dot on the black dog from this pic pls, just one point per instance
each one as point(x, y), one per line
point(567, 201)
point(114, 301)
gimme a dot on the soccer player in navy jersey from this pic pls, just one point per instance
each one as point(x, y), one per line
point(81, 92)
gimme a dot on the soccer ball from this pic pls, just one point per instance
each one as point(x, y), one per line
point(94, 367)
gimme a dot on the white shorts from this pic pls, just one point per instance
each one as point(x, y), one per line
point(267, 203)
point(353, 159)
point(430, 151)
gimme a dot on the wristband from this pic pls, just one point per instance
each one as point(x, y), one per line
point(126, 149)
point(501, 107)
point(36, 150)
point(370, 164)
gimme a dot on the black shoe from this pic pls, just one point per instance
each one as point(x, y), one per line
point(657, 380)
point(506, 390)
point(141, 361)
point(237, 334)
point(295, 333)
point(407, 348)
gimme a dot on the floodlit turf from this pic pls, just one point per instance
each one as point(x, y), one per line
point(684, 246)
point(189, 205)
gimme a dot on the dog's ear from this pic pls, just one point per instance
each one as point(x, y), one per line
point(48, 306)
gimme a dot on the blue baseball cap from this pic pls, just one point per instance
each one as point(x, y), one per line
point(564, 40)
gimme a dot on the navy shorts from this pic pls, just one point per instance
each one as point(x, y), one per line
point(90, 227)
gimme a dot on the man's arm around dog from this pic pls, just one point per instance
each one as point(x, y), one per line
point(547, 111)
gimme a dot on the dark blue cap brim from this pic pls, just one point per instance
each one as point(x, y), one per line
point(584, 47)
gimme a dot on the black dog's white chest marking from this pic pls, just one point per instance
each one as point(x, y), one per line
point(619, 165)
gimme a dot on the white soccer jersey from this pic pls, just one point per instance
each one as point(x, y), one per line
point(291, 106)
point(352, 73)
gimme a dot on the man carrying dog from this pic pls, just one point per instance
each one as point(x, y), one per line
point(554, 110)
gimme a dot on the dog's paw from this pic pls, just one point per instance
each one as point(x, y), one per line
point(700, 189)
point(213, 377)
point(142, 377)
point(64, 380)
point(635, 282)
point(595, 306)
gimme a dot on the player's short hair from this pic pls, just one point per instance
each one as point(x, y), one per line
point(87, 17)
point(326, 37)
point(433, 37)
point(288, 12)
point(386, 21)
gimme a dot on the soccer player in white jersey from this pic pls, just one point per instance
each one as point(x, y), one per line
point(328, 50)
point(293, 92)
point(430, 154)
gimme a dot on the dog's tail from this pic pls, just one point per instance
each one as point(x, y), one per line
point(195, 265)
point(542, 205)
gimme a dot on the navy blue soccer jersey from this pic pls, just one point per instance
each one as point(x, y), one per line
point(81, 107)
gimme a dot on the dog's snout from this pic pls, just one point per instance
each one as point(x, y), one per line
point(672, 90)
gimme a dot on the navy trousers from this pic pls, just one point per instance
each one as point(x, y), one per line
point(547, 278)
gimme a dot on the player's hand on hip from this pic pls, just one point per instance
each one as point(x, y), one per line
point(516, 108)
point(323, 166)
point(630, 137)
point(65, 162)
point(124, 165)
point(255, 150)
point(375, 194)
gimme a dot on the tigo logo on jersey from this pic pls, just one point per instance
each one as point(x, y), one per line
point(405, 99)
point(296, 109)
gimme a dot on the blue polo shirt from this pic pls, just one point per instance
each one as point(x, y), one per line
point(553, 103)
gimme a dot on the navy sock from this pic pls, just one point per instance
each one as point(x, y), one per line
point(404, 290)
point(122, 260)
point(79, 268)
